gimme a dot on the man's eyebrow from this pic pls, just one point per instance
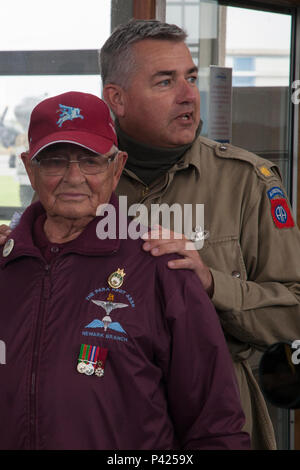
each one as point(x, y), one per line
point(169, 73)
point(161, 73)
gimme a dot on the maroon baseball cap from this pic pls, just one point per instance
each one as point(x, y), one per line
point(73, 117)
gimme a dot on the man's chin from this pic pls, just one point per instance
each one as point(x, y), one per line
point(71, 211)
point(180, 142)
point(182, 137)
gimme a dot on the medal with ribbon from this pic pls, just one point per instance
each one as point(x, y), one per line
point(82, 360)
point(91, 360)
point(90, 366)
point(99, 370)
point(87, 359)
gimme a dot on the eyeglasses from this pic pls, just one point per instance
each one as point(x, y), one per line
point(89, 165)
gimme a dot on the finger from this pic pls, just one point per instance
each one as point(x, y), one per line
point(202, 272)
point(161, 233)
point(158, 242)
point(185, 263)
point(152, 235)
point(3, 239)
point(169, 248)
point(4, 230)
point(153, 244)
point(157, 233)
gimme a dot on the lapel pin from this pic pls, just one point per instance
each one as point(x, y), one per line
point(116, 278)
point(8, 247)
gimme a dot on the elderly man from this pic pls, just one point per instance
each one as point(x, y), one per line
point(106, 348)
point(250, 263)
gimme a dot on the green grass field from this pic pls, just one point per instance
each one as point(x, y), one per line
point(9, 193)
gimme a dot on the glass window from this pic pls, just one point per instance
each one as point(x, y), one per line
point(55, 25)
point(260, 61)
point(174, 14)
point(247, 41)
point(243, 81)
point(255, 33)
point(53, 51)
point(192, 19)
point(243, 63)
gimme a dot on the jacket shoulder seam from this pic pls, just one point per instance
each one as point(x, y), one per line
point(266, 170)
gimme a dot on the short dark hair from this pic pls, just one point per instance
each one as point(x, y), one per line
point(116, 58)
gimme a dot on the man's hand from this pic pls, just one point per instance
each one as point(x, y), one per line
point(4, 233)
point(161, 241)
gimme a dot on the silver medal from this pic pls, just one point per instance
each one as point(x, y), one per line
point(81, 367)
point(89, 369)
point(99, 372)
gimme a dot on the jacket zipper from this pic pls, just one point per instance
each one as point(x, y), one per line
point(45, 294)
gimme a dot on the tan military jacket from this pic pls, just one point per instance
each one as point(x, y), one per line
point(253, 254)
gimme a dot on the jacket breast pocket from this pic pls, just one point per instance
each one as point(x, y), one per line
point(224, 254)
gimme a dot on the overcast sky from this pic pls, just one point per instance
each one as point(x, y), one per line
point(250, 29)
point(54, 24)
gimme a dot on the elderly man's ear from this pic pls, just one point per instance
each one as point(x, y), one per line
point(28, 166)
point(119, 164)
point(25, 157)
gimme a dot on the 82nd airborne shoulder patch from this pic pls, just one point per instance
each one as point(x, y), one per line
point(280, 210)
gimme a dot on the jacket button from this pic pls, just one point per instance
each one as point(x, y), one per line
point(223, 148)
point(236, 274)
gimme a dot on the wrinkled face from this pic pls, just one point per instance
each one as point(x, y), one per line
point(162, 102)
point(74, 194)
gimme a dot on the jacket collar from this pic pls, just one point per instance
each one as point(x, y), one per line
point(191, 157)
point(88, 243)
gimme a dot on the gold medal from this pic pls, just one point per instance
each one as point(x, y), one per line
point(116, 279)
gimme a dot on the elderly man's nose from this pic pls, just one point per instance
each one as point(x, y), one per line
point(74, 172)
